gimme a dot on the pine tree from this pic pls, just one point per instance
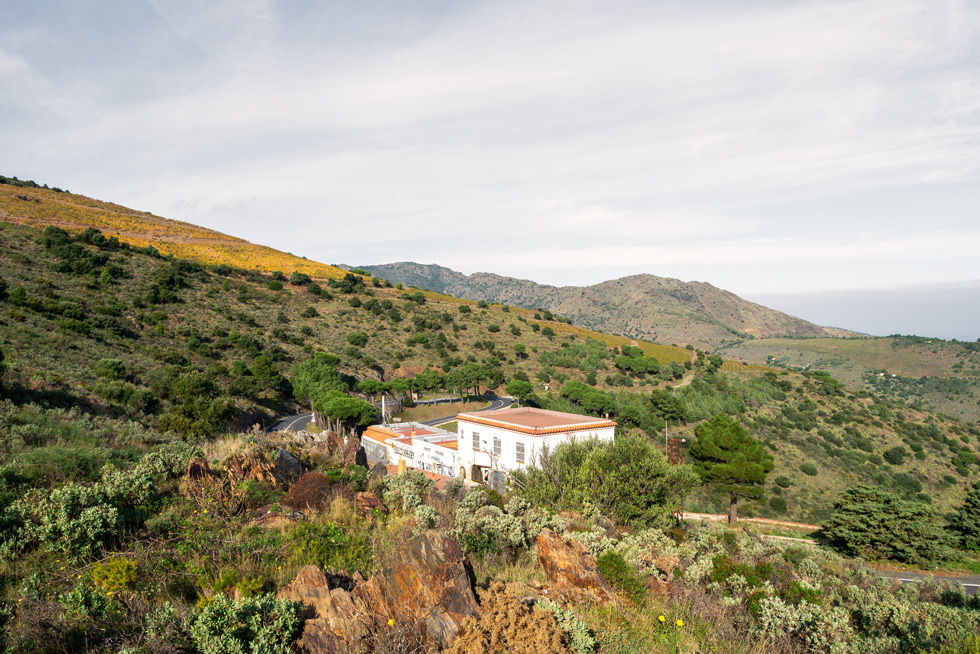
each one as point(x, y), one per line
point(966, 521)
point(726, 456)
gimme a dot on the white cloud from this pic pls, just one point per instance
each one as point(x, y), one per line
point(521, 136)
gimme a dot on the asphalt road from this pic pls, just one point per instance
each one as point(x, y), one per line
point(295, 422)
point(970, 583)
point(298, 422)
point(495, 403)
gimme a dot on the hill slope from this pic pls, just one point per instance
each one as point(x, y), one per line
point(640, 306)
point(39, 207)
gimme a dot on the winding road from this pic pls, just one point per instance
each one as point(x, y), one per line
point(298, 421)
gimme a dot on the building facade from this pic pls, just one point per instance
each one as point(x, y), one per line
point(492, 444)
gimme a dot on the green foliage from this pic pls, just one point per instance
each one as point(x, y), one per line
point(808, 469)
point(259, 625)
point(727, 457)
point(329, 545)
point(85, 604)
point(629, 479)
point(620, 574)
point(482, 527)
point(352, 412)
point(580, 637)
point(965, 522)
point(873, 524)
point(317, 376)
point(358, 339)
point(783, 481)
point(297, 278)
point(115, 576)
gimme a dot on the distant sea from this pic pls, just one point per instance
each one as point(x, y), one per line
point(947, 311)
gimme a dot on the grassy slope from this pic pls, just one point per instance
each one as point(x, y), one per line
point(76, 212)
point(944, 376)
point(214, 306)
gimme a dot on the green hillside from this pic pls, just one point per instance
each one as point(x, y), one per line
point(929, 372)
point(121, 364)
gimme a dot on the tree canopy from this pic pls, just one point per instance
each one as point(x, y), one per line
point(628, 479)
point(726, 456)
point(874, 524)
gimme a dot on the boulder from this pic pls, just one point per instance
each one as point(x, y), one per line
point(368, 504)
point(256, 465)
point(333, 624)
point(288, 467)
point(380, 470)
point(430, 582)
point(571, 571)
point(354, 454)
point(335, 443)
point(198, 468)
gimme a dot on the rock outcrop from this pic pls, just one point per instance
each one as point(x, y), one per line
point(571, 571)
point(430, 582)
point(255, 465)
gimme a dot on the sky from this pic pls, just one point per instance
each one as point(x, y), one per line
point(822, 155)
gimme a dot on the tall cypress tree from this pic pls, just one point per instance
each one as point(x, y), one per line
point(726, 456)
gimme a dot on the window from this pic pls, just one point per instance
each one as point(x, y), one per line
point(476, 441)
point(520, 452)
point(497, 448)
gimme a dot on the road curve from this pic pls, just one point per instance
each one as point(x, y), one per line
point(298, 421)
point(495, 403)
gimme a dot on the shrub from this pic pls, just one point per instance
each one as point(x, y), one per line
point(114, 576)
point(312, 492)
point(809, 469)
point(895, 456)
point(297, 278)
point(260, 624)
point(778, 504)
point(274, 285)
point(871, 523)
point(783, 481)
point(328, 545)
point(358, 339)
point(618, 572)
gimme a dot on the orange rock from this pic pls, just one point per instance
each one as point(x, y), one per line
point(571, 571)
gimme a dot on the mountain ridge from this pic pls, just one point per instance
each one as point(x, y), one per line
point(645, 306)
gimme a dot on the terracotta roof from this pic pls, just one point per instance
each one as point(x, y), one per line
point(452, 445)
point(537, 422)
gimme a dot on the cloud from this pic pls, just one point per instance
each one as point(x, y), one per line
point(562, 140)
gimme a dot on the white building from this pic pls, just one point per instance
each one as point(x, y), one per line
point(494, 443)
point(413, 445)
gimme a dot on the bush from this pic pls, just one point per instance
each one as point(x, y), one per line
point(628, 478)
point(809, 469)
point(274, 285)
point(312, 492)
point(329, 545)
point(871, 523)
point(895, 456)
point(297, 278)
point(618, 572)
point(260, 624)
point(114, 576)
point(358, 339)
point(783, 481)
point(778, 504)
